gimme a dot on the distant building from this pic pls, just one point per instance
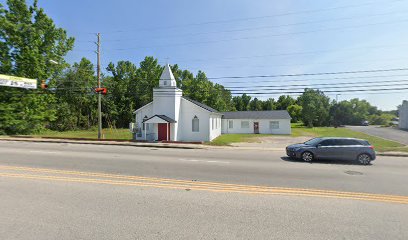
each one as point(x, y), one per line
point(172, 117)
point(264, 122)
point(403, 115)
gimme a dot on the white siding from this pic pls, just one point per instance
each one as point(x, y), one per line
point(187, 112)
point(284, 126)
point(216, 119)
point(166, 101)
point(146, 110)
point(403, 115)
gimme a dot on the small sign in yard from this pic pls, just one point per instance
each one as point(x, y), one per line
point(20, 82)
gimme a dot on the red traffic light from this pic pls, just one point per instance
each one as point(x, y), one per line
point(43, 84)
point(101, 90)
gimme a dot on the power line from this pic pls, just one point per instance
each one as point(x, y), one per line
point(327, 91)
point(291, 53)
point(334, 94)
point(325, 79)
point(318, 84)
point(258, 17)
point(288, 87)
point(288, 54)
point(305, 74)
point(311, 74)
point(258, 28)
point(258, 37)
point(318, 88)
point(297, 65)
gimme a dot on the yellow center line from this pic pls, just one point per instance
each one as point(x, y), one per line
point(172, 186)
point(189, 184)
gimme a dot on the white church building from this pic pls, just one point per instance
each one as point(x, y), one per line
point(172, 117)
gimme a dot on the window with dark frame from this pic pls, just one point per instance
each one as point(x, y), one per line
point(195, 124)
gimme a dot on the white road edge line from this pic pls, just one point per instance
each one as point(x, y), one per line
point(204, 161)
point(38, 151)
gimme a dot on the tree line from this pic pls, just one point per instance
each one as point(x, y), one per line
point(31, 44)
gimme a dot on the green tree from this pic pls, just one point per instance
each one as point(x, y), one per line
point(284, 102)
point(269, 104)
point(75, 96)
point(315, 108)
point(238, 103)
point(295, 111)
point(29, 39)
point(352, 112)
point(255, 105)
point(148, 76)
point(122, 99)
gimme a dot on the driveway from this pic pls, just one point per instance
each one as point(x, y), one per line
point(383, 132)
point(273, 142)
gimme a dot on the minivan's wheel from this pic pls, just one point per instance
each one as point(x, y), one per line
point(364, 158)
point(307, 156)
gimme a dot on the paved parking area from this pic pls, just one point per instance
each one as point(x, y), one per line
point(273, 142)
point(383, 132)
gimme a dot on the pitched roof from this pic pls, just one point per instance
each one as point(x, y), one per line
point(143, 107)
point(274, 114)
point(202, 105)
point(164, 117)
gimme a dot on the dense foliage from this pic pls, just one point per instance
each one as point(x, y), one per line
point(28, 41)
point(32, 46)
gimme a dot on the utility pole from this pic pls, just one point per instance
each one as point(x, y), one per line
point(99, 85)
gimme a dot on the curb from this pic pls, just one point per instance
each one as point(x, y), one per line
point(163, 145)
point(392, 154)
point(110, 143)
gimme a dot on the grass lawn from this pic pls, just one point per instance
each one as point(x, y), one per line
point(299, 130)
point(117, 134)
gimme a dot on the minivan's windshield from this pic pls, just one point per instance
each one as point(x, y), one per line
point(313, 141)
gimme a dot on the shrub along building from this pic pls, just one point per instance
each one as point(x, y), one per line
point(172, 117)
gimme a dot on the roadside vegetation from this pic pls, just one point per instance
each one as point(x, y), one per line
point(299, 130)
point(91, 134)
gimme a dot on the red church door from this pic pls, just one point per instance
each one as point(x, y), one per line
point(162, 132)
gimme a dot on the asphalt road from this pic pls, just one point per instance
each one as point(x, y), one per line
point(64, 191)
point(383, 132)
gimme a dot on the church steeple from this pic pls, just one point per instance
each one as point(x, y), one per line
point(167, 79)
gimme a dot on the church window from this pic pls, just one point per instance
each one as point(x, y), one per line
point(144, 119)
point(196, 124)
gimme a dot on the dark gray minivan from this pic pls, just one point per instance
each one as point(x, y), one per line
point(333, 148)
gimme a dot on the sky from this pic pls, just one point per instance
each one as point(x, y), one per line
point(252, 38)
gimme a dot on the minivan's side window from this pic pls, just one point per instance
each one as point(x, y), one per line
point(348, 142)
point(328, 142)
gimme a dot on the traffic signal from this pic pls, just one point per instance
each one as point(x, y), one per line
point(43, 84)
point(103, 91)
